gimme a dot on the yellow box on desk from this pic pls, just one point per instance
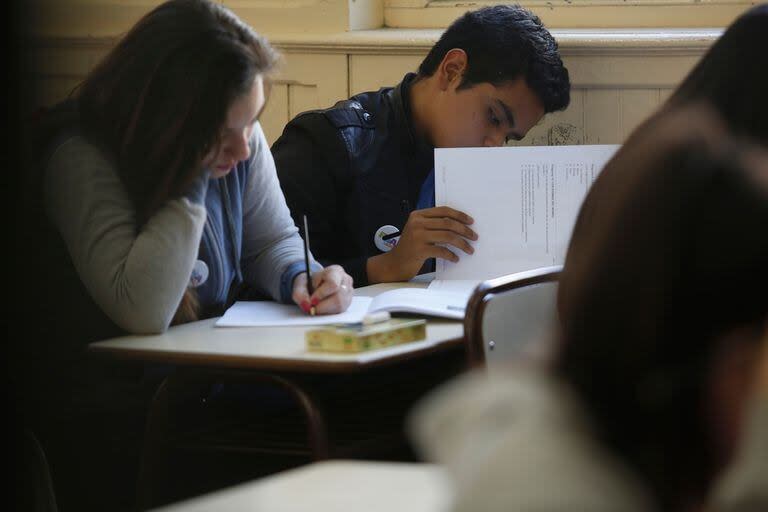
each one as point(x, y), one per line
point(346, 338)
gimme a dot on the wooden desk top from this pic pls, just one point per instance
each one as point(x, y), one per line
point(337, 486)
point(270, 348)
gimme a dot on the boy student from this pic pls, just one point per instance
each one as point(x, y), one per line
point(363, 170)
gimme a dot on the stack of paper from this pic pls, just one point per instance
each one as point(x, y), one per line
point(406, 300)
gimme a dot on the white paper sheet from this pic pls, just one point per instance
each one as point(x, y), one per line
point(272, 314)
point(464, 287)
point(421, 301)
point(418, 301)
point(524, 201)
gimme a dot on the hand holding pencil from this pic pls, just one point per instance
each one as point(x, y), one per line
point(310, 285)
point(325, 292)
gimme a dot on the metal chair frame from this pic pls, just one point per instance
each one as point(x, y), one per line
point(481, 298)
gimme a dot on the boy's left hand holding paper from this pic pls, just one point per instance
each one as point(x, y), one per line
point(427, 234)
point(332, 291)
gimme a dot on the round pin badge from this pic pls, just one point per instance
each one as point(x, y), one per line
point(386, 238)
point(199, 274)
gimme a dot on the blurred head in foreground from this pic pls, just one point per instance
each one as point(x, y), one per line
point(733, 77)
point(663, 298)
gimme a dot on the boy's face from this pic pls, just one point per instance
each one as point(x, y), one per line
point(484, 114)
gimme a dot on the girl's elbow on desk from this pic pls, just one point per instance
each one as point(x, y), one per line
point(148, 325)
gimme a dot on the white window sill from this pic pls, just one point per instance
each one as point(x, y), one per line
point(571, 41)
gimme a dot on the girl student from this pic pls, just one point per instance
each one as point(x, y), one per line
point(153, 201)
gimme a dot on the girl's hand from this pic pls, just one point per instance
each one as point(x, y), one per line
point(333, 291)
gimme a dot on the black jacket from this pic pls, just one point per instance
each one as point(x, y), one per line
point(351, 169)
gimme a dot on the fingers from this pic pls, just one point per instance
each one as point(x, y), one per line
point(300, 293)
point(446, 224)
point(326, 282)
point(438, 251)
point(447, 237)
point(334, 291)
point(442, 218)
point(447, 211)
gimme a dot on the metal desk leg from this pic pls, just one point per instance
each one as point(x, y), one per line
point(154, 459)
point(154, 452)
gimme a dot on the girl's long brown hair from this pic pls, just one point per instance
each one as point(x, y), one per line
point(158, 100)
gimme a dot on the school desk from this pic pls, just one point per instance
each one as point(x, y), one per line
point(270, 348)
point(271, 355)
point(334, 486)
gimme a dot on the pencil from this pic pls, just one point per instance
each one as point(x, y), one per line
point(310, 288)
point(391, 235)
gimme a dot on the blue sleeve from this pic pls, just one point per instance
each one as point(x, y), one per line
point(198, 189)
point(271, 242)
point(289, 274)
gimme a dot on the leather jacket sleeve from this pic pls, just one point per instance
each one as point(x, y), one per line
point(314, 171)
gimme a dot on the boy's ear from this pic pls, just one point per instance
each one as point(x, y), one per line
point(452, 68)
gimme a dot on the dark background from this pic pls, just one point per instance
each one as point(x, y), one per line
point(11, 168)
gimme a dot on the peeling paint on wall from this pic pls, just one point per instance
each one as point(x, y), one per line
point(563, 134)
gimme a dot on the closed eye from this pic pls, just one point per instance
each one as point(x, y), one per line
point(495, 121)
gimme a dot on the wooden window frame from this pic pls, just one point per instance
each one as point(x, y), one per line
point(609, 14)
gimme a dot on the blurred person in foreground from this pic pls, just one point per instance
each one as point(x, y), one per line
point(738, 98)
point(654, 396)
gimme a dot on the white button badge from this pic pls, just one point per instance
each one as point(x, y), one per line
point(384, 242)
point(199, 274)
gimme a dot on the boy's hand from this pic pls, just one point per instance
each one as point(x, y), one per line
point(421, 238)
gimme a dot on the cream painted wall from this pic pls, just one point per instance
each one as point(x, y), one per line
point(578, 13)
point(619, 76)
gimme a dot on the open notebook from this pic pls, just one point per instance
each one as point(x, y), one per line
point(405, 300)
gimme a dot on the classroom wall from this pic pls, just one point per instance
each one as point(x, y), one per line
point(332, 49)
point(578, 13)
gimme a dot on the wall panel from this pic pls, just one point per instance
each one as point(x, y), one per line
point(617, 80)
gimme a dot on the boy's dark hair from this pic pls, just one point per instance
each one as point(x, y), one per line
point(503, 43)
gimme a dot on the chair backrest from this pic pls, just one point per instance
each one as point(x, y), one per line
point(37, 486)
point(511, 315)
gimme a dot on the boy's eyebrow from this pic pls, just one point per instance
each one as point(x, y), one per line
point(510, 118)
point(507, 112)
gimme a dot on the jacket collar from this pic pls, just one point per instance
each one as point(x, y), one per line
point(419, 147)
